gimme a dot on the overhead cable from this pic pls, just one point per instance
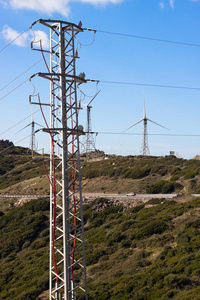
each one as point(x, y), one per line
point(14, 89)
point(19, 122)
point(123, 83)
point(156, 134)
point(6, 149)
point(146, 84)
point(16, 168)
point(146, 38)
point(1, 50)
point(21, 74)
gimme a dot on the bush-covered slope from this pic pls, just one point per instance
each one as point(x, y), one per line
point(145, 253)
point(18, 173)
point(139, 253)
point(140, 174)
point(18, 169)
point(24, 251)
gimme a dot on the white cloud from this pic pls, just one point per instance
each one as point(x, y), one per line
point(51, 6)
point(4, 3)
point(41, 35)
point(171, 3)
point(95, 2)
point(162, 5)
point(10, 34)
point(44, 6)
point(25, 39)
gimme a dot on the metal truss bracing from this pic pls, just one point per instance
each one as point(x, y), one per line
point(32, 140)
point(90, 143)
point(67, 250)
point(144, 147)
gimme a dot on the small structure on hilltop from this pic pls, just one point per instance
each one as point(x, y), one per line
point(6, 143)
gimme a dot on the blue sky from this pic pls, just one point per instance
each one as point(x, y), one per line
point(111, 58)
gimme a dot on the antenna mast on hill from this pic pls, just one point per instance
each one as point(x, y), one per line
point(67, 249)
point(90, 143)
point(144, 147)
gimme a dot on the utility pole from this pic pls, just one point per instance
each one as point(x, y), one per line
point(67, 250)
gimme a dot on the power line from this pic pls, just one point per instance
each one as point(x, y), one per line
point(19, 122)
point(22, 73)
point(146, 38)
point(16, 168)
point(123, 83)
point(14, 89)
point(6, 149)
point(145, 84)
point(1, 50)
point(154, 134)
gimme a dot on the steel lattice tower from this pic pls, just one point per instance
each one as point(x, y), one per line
point(67, 249)
point(89, 141)
point(32, 144)
point(144, 147)
point(90, 144)
point(32, 141)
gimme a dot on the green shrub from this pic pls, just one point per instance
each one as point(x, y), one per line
point(91, 173)
point(189, 174)
point(154, 227)
point(126, 243)
point(175, 171)
point(136, 173)
point(93, 258)
point(115, 237)
point(155, 201)
point(26, 244)
point(161, 187)
point(38, 244)
point(174, 178)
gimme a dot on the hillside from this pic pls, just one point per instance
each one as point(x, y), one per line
point(150, 251)
point(140, 174)
point(19, 173)
point(147, 252)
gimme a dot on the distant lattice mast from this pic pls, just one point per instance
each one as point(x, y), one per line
point(89, 140)
point(32, 141)
point(90, 143)
point(144, 147)
point(144, 150)
point(67, 249)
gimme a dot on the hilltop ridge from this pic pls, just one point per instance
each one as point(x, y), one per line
point(19, 173)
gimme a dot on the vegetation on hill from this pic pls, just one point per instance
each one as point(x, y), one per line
point(149, 252)
point(144, 174)
point(19, 172)
point(24, 251)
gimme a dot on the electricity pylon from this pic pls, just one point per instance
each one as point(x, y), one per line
point(33, 143)
point(144, 147)
point(89, 141)
point(67, 249)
